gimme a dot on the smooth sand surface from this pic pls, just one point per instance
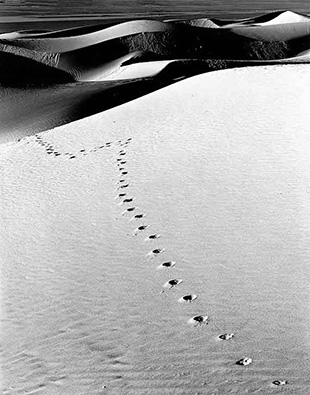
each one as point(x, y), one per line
point(216, 169)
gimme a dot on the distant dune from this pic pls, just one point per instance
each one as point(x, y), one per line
point(163, 51)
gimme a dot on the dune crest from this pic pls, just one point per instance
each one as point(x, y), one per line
point(156, 53)
point(287, 17)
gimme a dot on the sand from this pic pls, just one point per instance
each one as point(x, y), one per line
point(219, 166)
point(154, 213)
point(53, 77)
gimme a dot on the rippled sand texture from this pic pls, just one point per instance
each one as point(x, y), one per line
point(133, 239)
point(50, 77)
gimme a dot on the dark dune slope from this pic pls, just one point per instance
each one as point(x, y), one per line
point(84, 52)
point(200, 43)
point(112, 65)
point(20, 71)
point(27, 111)
point(188, 43)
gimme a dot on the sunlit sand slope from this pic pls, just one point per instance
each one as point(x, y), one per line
point(118, 229)
point(50, 78)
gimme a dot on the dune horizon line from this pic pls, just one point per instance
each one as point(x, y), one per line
point(133, 58)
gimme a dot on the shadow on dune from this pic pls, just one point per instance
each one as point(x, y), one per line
point(29, 110)
point(51, 78)
point(20, 71)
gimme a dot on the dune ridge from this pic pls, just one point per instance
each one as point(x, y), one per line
point(163, 51)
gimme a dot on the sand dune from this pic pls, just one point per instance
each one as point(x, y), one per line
point(144, 55)
point(194, 43)
point(85, 51)
point(284, 32)
point(200, 22)
point(27, 111)
point(135, 242)
point(271, 18)
point(286, 17)
point(65, 42)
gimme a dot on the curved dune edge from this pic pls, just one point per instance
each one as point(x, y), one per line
point(288, 25)
point(65, 44)
point(286, 17)
point(129, 60)
point(35, 109)
point(92, 53)
point(283, 32)
point(29, 111)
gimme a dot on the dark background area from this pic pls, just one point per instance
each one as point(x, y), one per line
point(140, 8)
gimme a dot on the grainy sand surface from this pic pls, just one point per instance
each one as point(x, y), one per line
point(218, 170)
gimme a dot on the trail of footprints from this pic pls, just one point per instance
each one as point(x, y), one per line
point(125, 199)
point(123, 187)
point(51, 150)
point(122, 183)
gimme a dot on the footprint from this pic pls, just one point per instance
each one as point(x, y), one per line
point(124, 173)
point(137, 216)
point(131, 209)
point(141, 228)
point(227, 336)
point(244, 361)
point(279, 382)
point(188, 298)
point(173, 283)
point(72, 157)
point(123, 162)
point(120, 195)
point(155, 252)
point(166, 264)
point(121, 181)
point(121, 168)
point(198, 320)
point(153, 237)
point(123, 186)
point(122, 154)
point(128, 200)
